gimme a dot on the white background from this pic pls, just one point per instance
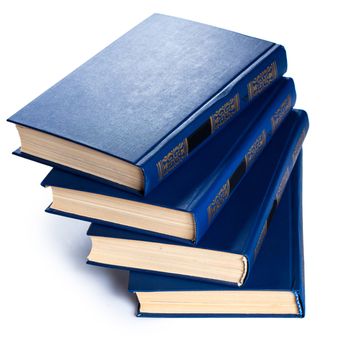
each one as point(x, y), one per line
point(50, 299)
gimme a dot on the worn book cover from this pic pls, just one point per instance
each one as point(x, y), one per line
point(137, 110)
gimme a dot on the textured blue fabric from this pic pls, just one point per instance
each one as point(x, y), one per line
point(148, 90)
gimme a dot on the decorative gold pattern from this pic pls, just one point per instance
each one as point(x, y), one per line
point(262, 80)
point(224, 113)
point(298, 146)
point(282, 185)
point(219, 200)
point(261, 239)
point(256, 148)
point(281, 112)
point(173, 159)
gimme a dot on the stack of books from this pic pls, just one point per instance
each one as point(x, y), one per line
point(180, 144)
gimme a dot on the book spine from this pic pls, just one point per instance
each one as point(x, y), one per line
point(278, 183)
point(297, 242)
point(179, 145)
point(233, 168)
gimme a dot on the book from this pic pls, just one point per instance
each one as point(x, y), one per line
point(275, 286)
point(137, 110)
point(227, 251)
point(187, 202)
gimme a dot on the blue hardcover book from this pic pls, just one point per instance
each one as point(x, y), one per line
point(275, 287)
point(227, 251)
point(186, 203)
point(138, 109)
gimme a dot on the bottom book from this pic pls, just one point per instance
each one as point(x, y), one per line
point(275, 287)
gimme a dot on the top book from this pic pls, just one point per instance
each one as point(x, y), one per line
point(137, 110)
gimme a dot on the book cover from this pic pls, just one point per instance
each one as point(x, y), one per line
point(148, 101)
point(279, 267)
point(197, 191)
point(228, 250)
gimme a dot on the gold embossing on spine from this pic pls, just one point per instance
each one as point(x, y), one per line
point(224, 113)
point(281, 112)
point(256, 148)
point(219, 200)
point(298, 146)
point(261, 239)
point(173, 159)
point(262, 80)
point(282, 185)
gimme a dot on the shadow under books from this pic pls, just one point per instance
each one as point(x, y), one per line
point(68, 238)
